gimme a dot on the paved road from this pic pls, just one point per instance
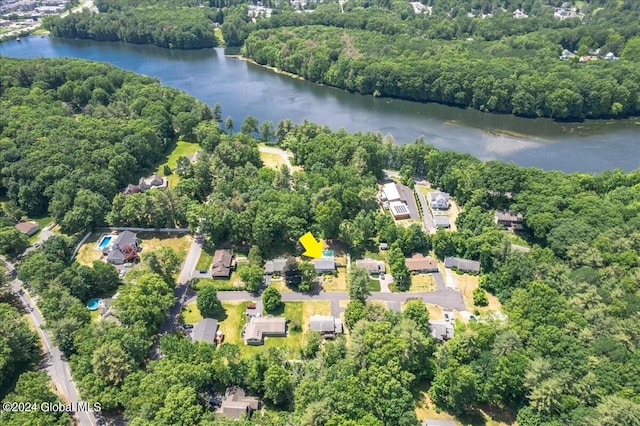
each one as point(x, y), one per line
point(448, 299)
point(57, 368)
point(427, 220)
point(182, 285)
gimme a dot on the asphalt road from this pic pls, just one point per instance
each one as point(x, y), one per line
point(448, 299)
point(429, 224)
point(57, 368)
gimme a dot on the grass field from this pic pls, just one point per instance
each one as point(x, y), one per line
point(425, 409)
point(373, 285)
point(87, 253)
point(204, 262)
point(191, 314)
point(466, 284)
point(339, 283)
point(218, 33)
point(182, 149)
point(280, 285)
point(271, 160)
point(421, 283)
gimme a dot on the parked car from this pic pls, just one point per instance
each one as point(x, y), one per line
point(203, 271)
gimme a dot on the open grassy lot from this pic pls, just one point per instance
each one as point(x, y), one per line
point(280, 285)
point(373, 285)
point(191, 314)
point(204, 262)
point(182, 149)
point(466, 284)
point(233, 321)
point(87, 253)
point(425, 409)
point(338, 283)
point(271, 160)
point(233, 283)
point(421, 283)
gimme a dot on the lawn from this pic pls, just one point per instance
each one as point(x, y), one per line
point(373, 285)
point(149, 241)
point(271, 160)
point(425, 409)
point(339, 283)
point(280, 285)
point(182, 149)
point(191, 314)
point(233, 283)
point(218, 33)
point(422, 283)
point(94, 315)
point(294, 312)
point(466, 284)
point(204, 262)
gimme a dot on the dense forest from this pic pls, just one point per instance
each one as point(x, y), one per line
point(565, 354)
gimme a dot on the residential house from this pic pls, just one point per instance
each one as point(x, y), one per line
point(371, 265)
point(205, 330)
point(237, 405)
point(567, 54)
point(27, 228)
point(442, 222)
point(383, 246)
point(519, 14)
point(509, 219)
point(222, 263)
point(154, 181)
point(464, 265)
point(124, 249)
point(421, 264)
point(439, 200)
point(390, 192)
point(274, 266)
point(325, 265)
point(441, 330)
point(325, 324)
point(261, 327)
point(611, 57)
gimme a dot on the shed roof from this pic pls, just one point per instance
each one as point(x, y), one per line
point(442, 221)
point(27, 228)
point(391, 191)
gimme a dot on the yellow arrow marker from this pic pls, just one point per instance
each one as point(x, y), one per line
point(313, 248)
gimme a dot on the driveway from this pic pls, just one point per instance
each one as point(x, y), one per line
point(282, 153)
point(427, 220)
point(437, 277)
point(384, 283)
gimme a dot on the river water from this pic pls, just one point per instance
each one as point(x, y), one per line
point(244, 89)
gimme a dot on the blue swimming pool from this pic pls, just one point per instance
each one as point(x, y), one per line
point(105, 241)
point(93, 304)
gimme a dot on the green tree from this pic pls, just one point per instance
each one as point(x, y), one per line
point(111, 363)
point(358, 284)
point(12, 241)
point(271, 299)
point(266, 131)
point(328, 214)
point(309, 275)
point(416, 311)
point(480, 297)
point(207, 301)
point(355, 311)
point(252, 276)
point(249, 125)
point(278, 387)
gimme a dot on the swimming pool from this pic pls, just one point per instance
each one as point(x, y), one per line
point(104, 241)
point(93, 304)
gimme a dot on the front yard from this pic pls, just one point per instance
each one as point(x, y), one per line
point(466, 284)
point(422, 283)
point(337, 283)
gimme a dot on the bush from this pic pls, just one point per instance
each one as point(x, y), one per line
point(480, 297)
point(294, 325)
point(271, 299)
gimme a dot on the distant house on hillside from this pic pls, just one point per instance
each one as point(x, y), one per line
point(145, 183)
point(237, 405)
point(27, 228)
point(464, 265)
point(222, 263)
point(421, 264)
point(371, 265)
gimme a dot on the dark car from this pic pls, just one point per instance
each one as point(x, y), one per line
point(203, 271)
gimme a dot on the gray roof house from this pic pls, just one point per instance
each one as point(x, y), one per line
point(205, 330)
point(221, 265)
point(260, 327)
point(371, 265)
point(124, 239)
point(237, 405)
point(509, 219)
point(441, 330)
point(439, 200)
point(442, 222)
point(464, 265)
point(437, 422)
point(274, 266)
point(27, 228)
point(325, 265)
point(325, 324)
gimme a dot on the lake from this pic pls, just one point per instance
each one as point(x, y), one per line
point(244, 89)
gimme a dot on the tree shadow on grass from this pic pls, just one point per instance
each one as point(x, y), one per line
point(220, 314)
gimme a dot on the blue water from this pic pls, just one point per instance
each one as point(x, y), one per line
point(93, 304)
point(105, 242)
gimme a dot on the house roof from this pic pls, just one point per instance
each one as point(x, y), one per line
point(441, 330)
point(442, 221)
point(383, 246)
point(274, 265)
point(391, 192)
point(508, 216)
point(419, 262)
point(322, 323)
point(115, 256)
point(398, 208)
point(205, 330)
point(265, 326)
point(438, 422)
point(236, 404)
point(125, 238)
point(438, 197)
point(221, 265)
point(462, 264)
point(371, 265)
point(325, 264)
point(27, 228)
